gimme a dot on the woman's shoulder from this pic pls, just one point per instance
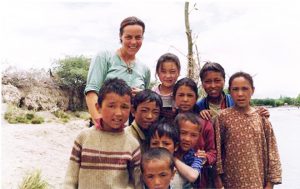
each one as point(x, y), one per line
point(141, 65)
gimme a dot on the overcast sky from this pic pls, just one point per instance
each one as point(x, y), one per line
point(259, 37)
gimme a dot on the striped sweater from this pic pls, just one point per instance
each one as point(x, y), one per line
point(101, 159)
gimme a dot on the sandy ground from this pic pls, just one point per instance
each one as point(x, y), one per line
point(27, 147)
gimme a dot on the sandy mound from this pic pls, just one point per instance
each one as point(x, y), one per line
point(27, 147)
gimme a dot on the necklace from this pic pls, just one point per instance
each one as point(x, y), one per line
point(129, 65)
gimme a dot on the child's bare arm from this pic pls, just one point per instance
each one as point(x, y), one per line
point(186, 171)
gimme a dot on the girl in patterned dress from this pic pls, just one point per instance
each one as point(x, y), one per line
point(246, 145)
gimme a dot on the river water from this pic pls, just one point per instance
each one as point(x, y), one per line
point(286, 125)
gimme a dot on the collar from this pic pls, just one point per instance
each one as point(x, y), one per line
point(223, 104)
point(138, 131)
point(99, 125)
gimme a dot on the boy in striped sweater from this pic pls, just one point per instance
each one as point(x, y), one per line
point(104, 156)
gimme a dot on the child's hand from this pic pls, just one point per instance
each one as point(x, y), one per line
point(205, 114)
point(263, 111)
point(135, 90)
point(201, 154)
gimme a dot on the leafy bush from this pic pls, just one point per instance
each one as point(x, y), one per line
point(72, 75)
point(33, 180)
point(82, 115)
point(16, 115)
point(64, 117)
point(30, 116)
point(37, 120)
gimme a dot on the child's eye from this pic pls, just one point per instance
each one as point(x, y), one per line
point(156, 112)
point(149, 176)
point(125, 106)
point(207, 81)
point(182, 132)
point(110, 105)
point(154, 143)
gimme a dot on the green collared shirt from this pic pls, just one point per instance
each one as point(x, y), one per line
point(107, 65)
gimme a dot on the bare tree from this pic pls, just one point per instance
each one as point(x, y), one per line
point(192, 67)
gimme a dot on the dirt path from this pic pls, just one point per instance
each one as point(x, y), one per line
point(27, 147)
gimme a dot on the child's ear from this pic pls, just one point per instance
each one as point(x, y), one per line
point(176, 147)
point(173, 174)
point(98, 107)
point(132, 110)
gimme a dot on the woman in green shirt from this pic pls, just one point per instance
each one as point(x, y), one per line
point(121, 63)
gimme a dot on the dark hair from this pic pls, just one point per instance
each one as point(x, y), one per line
point(114, 85)
point(167, 57)
point(241, 74)
point(132, 20)
point(211, 66)
point(147, 95)
point(164, 128)
point(159, 154)
point(187, 117)
point(185, 82)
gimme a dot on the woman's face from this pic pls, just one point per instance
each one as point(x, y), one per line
point(132, 39)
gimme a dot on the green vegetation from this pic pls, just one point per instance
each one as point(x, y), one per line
point(33, 180)
point(81, 115)
point(72, 74)
point(277, 102)
point(16, 115)
point(64, 117)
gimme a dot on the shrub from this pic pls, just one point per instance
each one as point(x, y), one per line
point(64, 117)
point(33, 180)
point(22, 119)
point(29, 116)
point(37, 120)
point(82, 115)
point(16, 115)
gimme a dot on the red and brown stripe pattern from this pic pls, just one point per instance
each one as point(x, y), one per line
point(104, 160)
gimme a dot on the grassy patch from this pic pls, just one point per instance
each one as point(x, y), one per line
point(33, 180)
point(16, 115)
point(82, 115)
point(63, 116)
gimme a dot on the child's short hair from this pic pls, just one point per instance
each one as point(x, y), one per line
point(211, 66)
point(167, 57)
point(164, 128)
point(147, 95)
point(114, 85)
point(188, 116)
point(159, 154)
point(186, 82)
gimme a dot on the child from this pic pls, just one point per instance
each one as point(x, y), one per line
point(157, 168)
point(245, 141)
point(212, 76)
point(165, 135)
point(104, 156)
point(167, 70)
point(185, 94)
point(189, 133)
point(146, 110)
